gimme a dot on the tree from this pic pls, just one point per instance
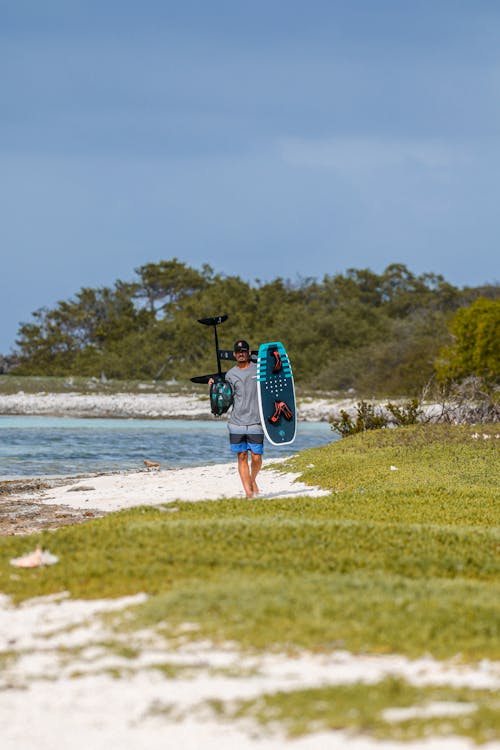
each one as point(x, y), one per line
point(475, 350)
point(72, 337)
point(376, 333)
point(163, 284)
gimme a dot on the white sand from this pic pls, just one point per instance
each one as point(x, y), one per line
point(125, 490)
point(181, 405)
point(65, 686)
point(59, 687)
point(107, 405)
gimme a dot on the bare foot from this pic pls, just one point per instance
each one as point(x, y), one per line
point(255, 487)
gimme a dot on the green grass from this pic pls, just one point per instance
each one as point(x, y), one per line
point(405, 561)
point(360, 707)
point(431, 460)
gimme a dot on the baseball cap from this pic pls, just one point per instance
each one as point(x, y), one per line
point(241, 346)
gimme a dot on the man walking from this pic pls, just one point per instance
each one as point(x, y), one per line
point(245, 430)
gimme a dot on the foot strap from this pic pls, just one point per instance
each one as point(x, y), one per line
point(277, 362)
point(281, 409)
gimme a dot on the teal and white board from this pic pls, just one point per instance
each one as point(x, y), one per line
point(276, 393)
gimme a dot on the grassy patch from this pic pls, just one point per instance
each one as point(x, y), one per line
point(391, 561)
point(362, 707)
point(429, 460)
point(6, 659)
point(371, 613)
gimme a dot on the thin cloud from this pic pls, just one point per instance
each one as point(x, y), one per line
point(360, 155)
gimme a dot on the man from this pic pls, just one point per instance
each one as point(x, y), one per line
point(245, 430)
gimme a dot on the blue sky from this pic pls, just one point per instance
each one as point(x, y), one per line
point(279, 138)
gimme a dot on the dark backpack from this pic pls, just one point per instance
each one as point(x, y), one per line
point(221, 396)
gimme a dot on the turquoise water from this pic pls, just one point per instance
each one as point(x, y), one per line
point(54, 446)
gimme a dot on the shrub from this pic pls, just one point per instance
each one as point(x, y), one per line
point(370, 417)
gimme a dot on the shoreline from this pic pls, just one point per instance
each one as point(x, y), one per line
point(146, 406)
point(32, 504)
point(109, 492)
point(65, 654)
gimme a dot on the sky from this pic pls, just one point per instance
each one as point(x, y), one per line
point(267, 138)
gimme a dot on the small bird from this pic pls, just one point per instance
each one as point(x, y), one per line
point(151, 464)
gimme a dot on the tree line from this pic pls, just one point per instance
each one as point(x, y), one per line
point(379, 334)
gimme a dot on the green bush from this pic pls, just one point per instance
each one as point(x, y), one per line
point(371, 417)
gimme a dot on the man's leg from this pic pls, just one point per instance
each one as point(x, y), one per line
point(244, 473)
point(255, 468)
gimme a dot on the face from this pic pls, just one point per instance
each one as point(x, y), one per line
point(241, 356)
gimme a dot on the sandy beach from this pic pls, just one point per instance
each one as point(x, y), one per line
point(66, 678)
point(146, 405)
point(69, 681)
point(27, 506)
point(111, 492)
point(68, 670)
point(30, 505)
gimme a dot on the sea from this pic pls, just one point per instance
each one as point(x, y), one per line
point(59, 446)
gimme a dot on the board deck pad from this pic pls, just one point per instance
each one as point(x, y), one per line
point(276, 393)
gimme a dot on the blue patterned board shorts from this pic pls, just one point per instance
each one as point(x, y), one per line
point(248, 437)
